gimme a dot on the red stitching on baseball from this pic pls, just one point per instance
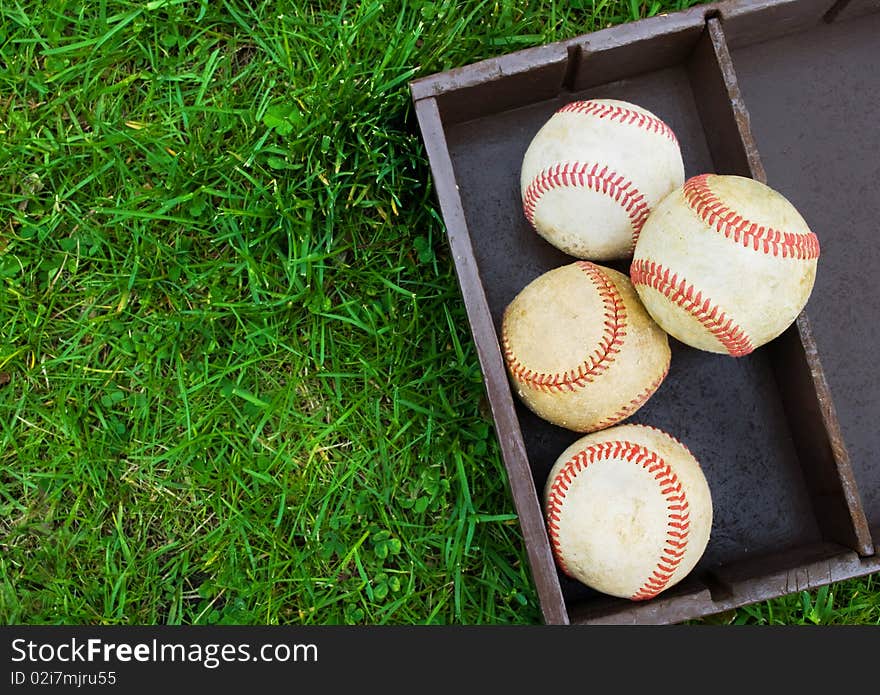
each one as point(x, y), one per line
point(714, 212)
point(620, 113)
point(605, 353)
point(591, 176)
point(731, 336)
point(635, 403)
point(678, 512)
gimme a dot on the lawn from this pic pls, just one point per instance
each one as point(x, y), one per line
point(237, 383)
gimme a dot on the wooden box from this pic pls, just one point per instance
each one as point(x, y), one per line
point(786, 92)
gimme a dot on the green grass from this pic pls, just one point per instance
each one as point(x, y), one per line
point(237, 384)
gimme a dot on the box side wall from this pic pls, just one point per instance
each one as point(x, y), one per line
point(507, 427)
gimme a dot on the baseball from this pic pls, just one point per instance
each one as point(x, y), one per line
point(628, 511)
point(592, 174)
point(580, 349)
point(725, 264)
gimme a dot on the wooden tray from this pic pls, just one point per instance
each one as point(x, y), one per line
point(785, 92)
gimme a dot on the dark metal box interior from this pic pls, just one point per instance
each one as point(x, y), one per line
point(784, 91)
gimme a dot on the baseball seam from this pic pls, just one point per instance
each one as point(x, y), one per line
point(717, 214)
point(677, 508)
point(621, 114)
point(731, 336)
point(614, 320)
point(590, 176)
point(635, 403)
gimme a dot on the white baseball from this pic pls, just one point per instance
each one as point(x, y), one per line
point(592, 174)
point(580, 349)
point(628, 511)
point(725, 263)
